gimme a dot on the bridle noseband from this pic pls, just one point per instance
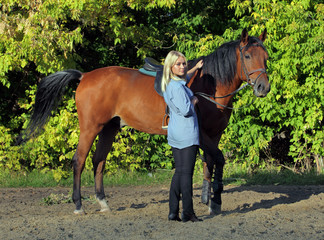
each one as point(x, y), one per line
point(249, 81)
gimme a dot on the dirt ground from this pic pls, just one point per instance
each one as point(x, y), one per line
point(248, 212)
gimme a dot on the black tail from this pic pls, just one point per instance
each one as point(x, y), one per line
point(49, 93)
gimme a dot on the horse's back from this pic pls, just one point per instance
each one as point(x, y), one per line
point(114, 78)
point(124, 92)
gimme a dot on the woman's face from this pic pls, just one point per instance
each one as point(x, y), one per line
point(180, 67)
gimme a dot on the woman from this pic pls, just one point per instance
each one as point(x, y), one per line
point(183, 132)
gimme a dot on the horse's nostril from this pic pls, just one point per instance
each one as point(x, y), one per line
point(260, 87)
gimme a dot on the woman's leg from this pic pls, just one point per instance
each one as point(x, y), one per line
point(174, 194)
point(189, 160)
point(185, 163)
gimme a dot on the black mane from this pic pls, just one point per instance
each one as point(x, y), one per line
point(220, 66)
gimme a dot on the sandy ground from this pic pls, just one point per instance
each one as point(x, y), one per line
point(248, 212)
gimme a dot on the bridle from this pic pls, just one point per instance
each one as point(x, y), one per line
point(246, 72)
point(249, 81)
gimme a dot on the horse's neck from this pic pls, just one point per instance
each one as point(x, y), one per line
point(205, 85)
point(223, 90)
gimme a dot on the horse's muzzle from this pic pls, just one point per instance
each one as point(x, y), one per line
point(261, 88)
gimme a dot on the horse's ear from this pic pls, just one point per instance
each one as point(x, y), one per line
point(244, 37)
point(263, 35)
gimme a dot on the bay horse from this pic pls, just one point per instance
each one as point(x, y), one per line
point(112, 97)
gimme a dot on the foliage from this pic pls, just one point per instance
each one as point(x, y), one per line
point(34, 31)
point(41, 37)
point(294, 107)
point(133, 150)
point(139, 151)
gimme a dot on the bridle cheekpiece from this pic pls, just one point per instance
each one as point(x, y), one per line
point(246, 72)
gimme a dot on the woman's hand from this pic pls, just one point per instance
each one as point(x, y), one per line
point(199, 64)
point(194, 100)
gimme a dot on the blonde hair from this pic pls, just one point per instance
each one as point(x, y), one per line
point(169, 62)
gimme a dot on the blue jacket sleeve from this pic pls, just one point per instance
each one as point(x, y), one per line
point(181, 101)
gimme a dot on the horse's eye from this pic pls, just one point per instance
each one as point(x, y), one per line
point(247, 56)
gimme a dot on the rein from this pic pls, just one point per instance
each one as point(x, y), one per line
point(248, 79)
point(208, 97)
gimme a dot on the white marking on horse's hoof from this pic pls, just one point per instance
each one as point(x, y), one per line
point(205, 193)
point(103, 210)
point(214, 208)
point(104, 206)
point(79, 212)
point(211, 212)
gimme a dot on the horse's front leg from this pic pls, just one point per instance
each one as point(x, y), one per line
point(213, 156)
point(208, 166)
point(218, 186)
point(216, 199)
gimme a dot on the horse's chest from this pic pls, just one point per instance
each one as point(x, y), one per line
point(215, 122)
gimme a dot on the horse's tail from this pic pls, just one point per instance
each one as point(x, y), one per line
point(49, 93)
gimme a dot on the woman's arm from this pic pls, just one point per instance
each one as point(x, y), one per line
point(179, 101)
point(191, 72)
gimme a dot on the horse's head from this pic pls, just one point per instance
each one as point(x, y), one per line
point(253, 58)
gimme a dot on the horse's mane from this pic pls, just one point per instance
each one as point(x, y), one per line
point(220, 66)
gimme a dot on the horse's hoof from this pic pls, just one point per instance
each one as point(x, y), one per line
point(104, 210)
point(79, 212)
point(205, 193)
point(104, 206)
point(214, 208)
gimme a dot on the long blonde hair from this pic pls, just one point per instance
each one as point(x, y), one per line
point(170, 60)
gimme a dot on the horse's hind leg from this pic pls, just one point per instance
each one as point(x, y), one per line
point(86, 139)
point(106, 138)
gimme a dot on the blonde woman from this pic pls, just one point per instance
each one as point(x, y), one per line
point(183, 133)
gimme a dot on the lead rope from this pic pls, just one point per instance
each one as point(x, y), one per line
point(208, 97)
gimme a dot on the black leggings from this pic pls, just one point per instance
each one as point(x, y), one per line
point(182, 179)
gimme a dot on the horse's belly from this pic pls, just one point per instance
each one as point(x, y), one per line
point(144, 124)
point(146, 117)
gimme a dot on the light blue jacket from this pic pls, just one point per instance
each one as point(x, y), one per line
point(183, 129)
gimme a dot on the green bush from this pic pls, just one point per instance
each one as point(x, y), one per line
point(292, 113)
point(290, 118)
